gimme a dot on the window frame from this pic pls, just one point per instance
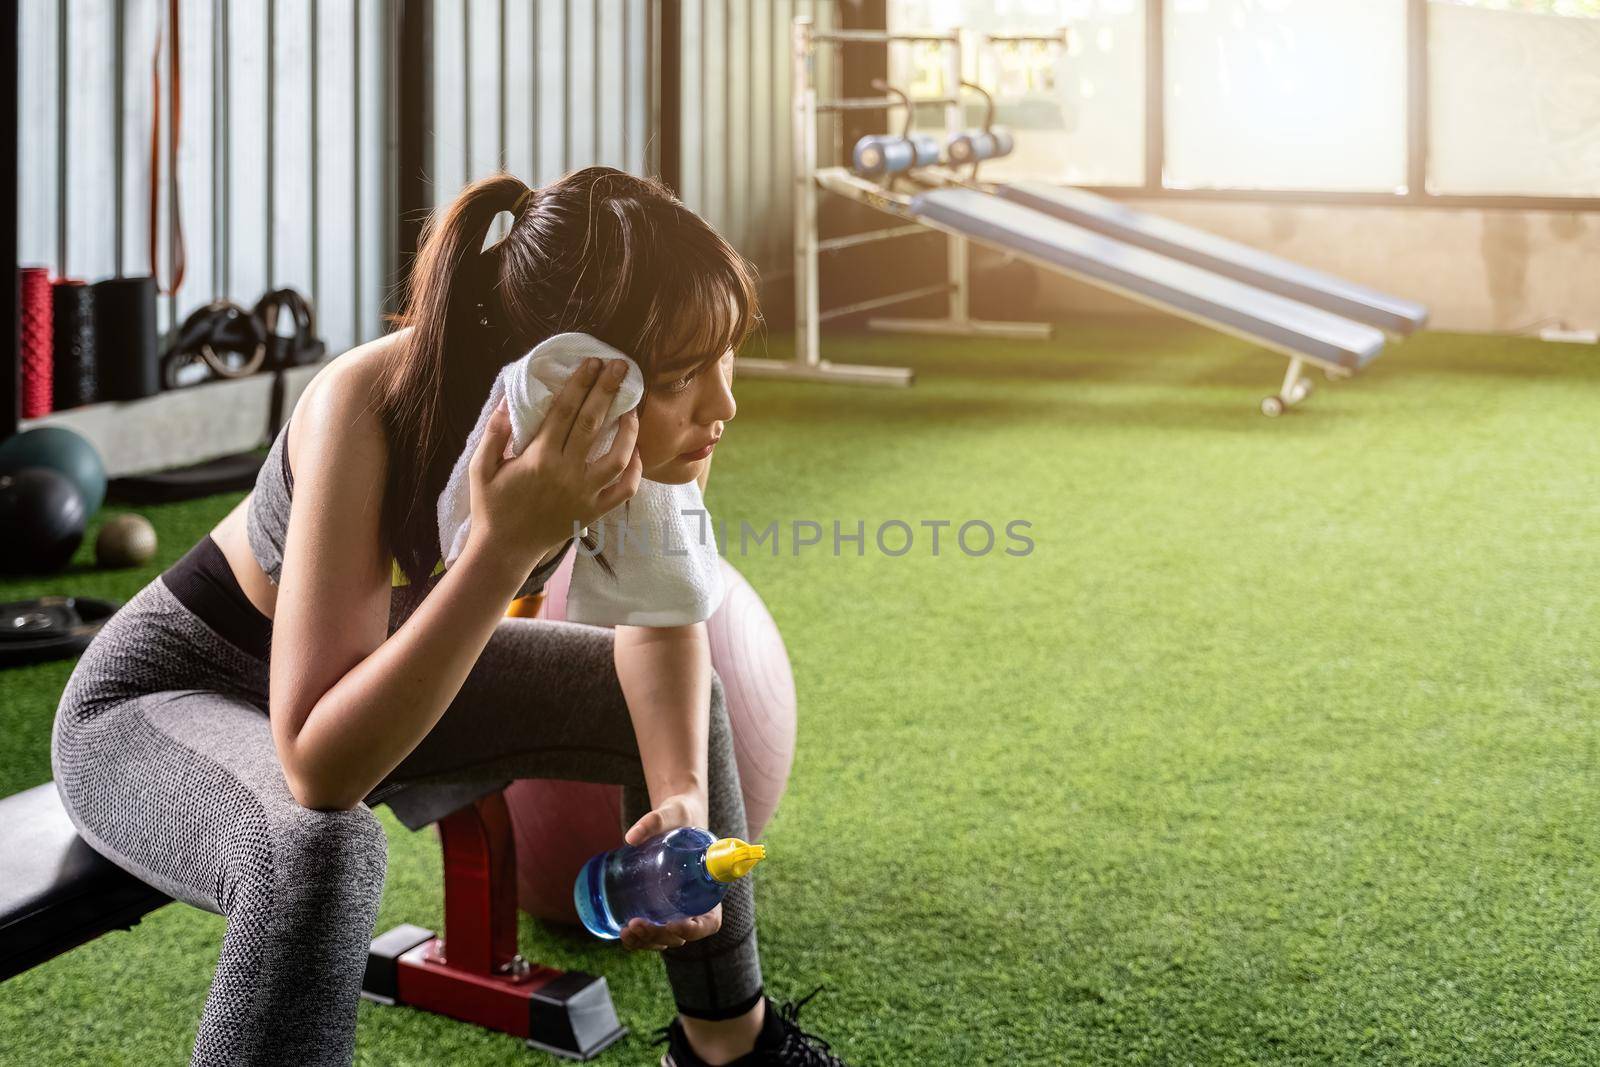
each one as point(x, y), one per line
point(1417, 125)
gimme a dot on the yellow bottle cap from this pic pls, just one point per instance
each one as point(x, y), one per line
point(730, 858)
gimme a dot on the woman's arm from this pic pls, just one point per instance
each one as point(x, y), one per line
point(382, 708)
point(665, 673)
point(349, 702)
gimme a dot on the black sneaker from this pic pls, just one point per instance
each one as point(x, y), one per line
point(781, 1042)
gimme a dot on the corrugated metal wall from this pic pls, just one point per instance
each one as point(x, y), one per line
point(544, 88)
point(284, 151)
point(286, 155)
point(540, 89)
point(738, 151)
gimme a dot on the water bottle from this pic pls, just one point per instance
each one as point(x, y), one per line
point(677, 874)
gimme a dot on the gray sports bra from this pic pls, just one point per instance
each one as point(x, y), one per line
point(267, 525)
point(267, 521)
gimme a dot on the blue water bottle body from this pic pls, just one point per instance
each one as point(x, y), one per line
point(659, 880)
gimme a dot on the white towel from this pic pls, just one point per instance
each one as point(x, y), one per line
point(660, 543)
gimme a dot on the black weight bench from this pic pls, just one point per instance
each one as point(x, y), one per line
point(57, 892)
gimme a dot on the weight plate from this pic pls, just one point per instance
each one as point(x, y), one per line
point(50, 627)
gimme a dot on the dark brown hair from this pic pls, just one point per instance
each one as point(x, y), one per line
point(598, 251)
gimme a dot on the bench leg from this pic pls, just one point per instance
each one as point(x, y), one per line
point(474, 973)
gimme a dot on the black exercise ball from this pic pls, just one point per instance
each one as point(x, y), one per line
point(66, 451)
point(42, 516)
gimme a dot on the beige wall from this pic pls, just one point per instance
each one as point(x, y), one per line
point(1476, 270)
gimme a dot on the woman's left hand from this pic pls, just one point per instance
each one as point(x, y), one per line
point(680, 809)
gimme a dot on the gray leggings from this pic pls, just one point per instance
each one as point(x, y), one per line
point(164, 759)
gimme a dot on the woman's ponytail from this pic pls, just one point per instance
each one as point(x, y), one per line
point(421, 405)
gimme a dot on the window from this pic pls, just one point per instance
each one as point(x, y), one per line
point(1281, 95)
point(1588, 8)
point(1077, 112)
point(1514, 98)
point(1286, 94)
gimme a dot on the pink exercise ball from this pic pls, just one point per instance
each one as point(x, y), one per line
point(559, 824)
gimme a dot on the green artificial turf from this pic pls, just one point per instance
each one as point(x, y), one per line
point(1279, 747)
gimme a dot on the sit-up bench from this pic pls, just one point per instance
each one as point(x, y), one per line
point(1300, 331)
point(1219, 255)
point(55, 891)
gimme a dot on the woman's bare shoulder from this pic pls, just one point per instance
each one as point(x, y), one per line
point(338, 406)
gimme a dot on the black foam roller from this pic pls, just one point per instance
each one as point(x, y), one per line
point(125, 338)
point(72, 308)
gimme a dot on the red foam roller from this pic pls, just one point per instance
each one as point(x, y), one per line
point(38, 366)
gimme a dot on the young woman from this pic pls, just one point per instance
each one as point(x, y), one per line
point(227, 730)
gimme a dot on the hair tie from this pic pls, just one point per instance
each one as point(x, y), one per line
point(522, 203)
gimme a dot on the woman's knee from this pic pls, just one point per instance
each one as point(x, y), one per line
point(345, 839)
point(332, 858)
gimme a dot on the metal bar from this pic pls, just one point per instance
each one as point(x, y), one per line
point(628, 29)
point(389, 217)
point(881, 103)
point(823, 371)
point(834, 89)
point(1059, 37)
point(360, 334)
point(466, 96)
point(774, 244)
point(956, 247)
point(413, 124)
point(735, 225)
point(1016, 331)
point(119, 122)
point(667, 56)
point(316, 192)
point(1155, 88)
point(750, 223)
point(884, 301)
point(500, 57)
point(566, 85)
point(173, 57)
point(533, 104)
point(1291, 375)
point(833, 244)
point(219, 98)
point(1416, 99)
point(62, 140)
point(224, 136)
point(862, 190)
point(10, 60)
point(879, 37)
point(705, 147)
point(1354, 198)
point(806, 325)
point(271, 136)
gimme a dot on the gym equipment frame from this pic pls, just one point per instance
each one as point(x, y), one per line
point(807, 363)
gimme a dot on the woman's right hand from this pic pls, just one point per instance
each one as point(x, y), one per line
point(532, 502)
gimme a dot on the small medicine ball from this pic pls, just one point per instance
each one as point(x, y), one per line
point(41, 520)
point(63, 450)
point(125, 541)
